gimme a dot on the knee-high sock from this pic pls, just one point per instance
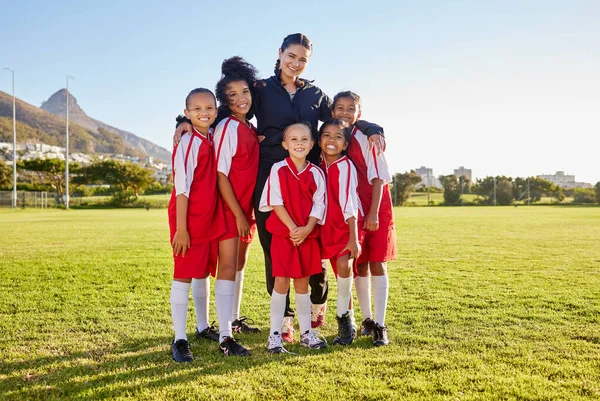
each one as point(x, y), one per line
point(380, 297)
point(363, 293)
point(303, 311)
point(344, 286)
point(223, 304)
point(201, 296)
point(277, 311)
point(237, 294)
point(180, 293)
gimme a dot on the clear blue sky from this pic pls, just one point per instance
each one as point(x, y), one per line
point(502, 87)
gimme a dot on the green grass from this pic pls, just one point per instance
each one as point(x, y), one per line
point(485, 303)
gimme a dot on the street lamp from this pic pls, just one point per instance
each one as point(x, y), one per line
point(14, 194)
point(66, 198)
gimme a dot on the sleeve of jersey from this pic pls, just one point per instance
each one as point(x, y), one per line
point(348, 196)
point(225, 146)
point(377, 166)
point(271, 195)
point(184, 173)
point(319, 207)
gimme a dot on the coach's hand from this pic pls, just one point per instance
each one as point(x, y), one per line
point(179, 131)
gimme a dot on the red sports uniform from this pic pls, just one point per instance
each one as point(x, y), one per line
point(195, 176)
point(380, 245)
point(303, 195)
point(342, 204)
point(236, 147)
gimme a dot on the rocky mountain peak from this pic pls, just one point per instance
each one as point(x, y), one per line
point(57, 104)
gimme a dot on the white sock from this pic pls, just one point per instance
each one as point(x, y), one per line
point(303, 311)
point(237, 295)
point(223, 304)
point(363, 293)
point(344, 286)
point(277, 311)
point(380, 297)
point(180, 293)
point(201, 296)
point(351, 314)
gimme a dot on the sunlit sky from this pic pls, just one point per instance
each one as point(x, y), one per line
point(501, 87)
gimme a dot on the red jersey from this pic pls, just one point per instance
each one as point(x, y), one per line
point(195, 176)
point(342, 204)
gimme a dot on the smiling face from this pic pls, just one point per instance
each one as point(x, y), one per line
point(240, 99)
point(293, 60)
point(332, 142)
point(297, 140)
point(346, 108)
point(201, 109)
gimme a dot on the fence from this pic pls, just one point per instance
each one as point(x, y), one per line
point(27, 199)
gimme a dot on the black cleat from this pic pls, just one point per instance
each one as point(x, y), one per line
point(230, 347)
point(240, 325)
point(366, 327)
point(181, 351)
point(210, 333)
point(380, 336)
point(346, 332)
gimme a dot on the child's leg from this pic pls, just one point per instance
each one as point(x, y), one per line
point(363, 290)
point(225, 284)
point(302, 303)
point(380, 290)
point(242, 258)
point(344, 283)
point(278, 302)
point(180, 290)
point(201, 296)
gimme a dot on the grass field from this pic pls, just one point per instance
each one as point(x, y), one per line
point(485, 303)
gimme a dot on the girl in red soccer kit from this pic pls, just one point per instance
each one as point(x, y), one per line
point(294, 194)
point(378, 237)
point(237, 154)
point(196, 222)
point(339, 234)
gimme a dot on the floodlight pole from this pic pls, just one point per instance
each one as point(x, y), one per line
point(428, 184)
point(494, 190)
point(67, 149)
point(14, 194)
point(528, 193)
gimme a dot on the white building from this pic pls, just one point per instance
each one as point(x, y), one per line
point(427, 178)
point(464, 172)
point(564, 180)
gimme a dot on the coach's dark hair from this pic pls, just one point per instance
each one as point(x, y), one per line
point(293, 39)
point(347, 94)
point(198, 90)
point(343, 125)
point(234, 69)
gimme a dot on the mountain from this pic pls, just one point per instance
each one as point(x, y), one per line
point(85, 134)
point(56, 105)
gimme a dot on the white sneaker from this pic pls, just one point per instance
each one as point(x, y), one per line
point(274, 344)
point(313, 339)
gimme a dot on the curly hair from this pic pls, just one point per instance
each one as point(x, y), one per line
point(234, 69)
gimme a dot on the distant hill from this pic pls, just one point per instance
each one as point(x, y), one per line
point(47, 125)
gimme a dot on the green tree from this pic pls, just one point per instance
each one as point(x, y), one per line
point(404, 184)
point(452, 189)
point(5, 175)
point(584, 195)
point(504, 191)
point(484, 187)
point(597, 190)
point(47, 174)
point(538, 187)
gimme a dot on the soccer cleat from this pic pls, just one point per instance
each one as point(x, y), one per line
point(346, 332)
point(240, 325)
point(287, 329)
point(380, 336)
point(275, 345)
point(230, 347)
point(181, 351)
point(210, 333)
point(317, 315)
point(312, 339)
point(366, 328)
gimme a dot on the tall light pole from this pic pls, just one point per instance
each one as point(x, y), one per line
point(14, 194)
point(67, 150)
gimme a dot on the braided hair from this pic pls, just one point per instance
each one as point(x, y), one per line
point(292, 39)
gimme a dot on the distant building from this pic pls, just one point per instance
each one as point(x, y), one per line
point(466, 172)
point(564, 180)
point(427, 178)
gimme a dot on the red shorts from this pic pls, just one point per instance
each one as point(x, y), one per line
point(378, 246)
point(295, 261)
point(231, 228)
point(334, 260)
point(198, 262)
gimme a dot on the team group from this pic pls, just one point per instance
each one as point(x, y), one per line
point(312, 196)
